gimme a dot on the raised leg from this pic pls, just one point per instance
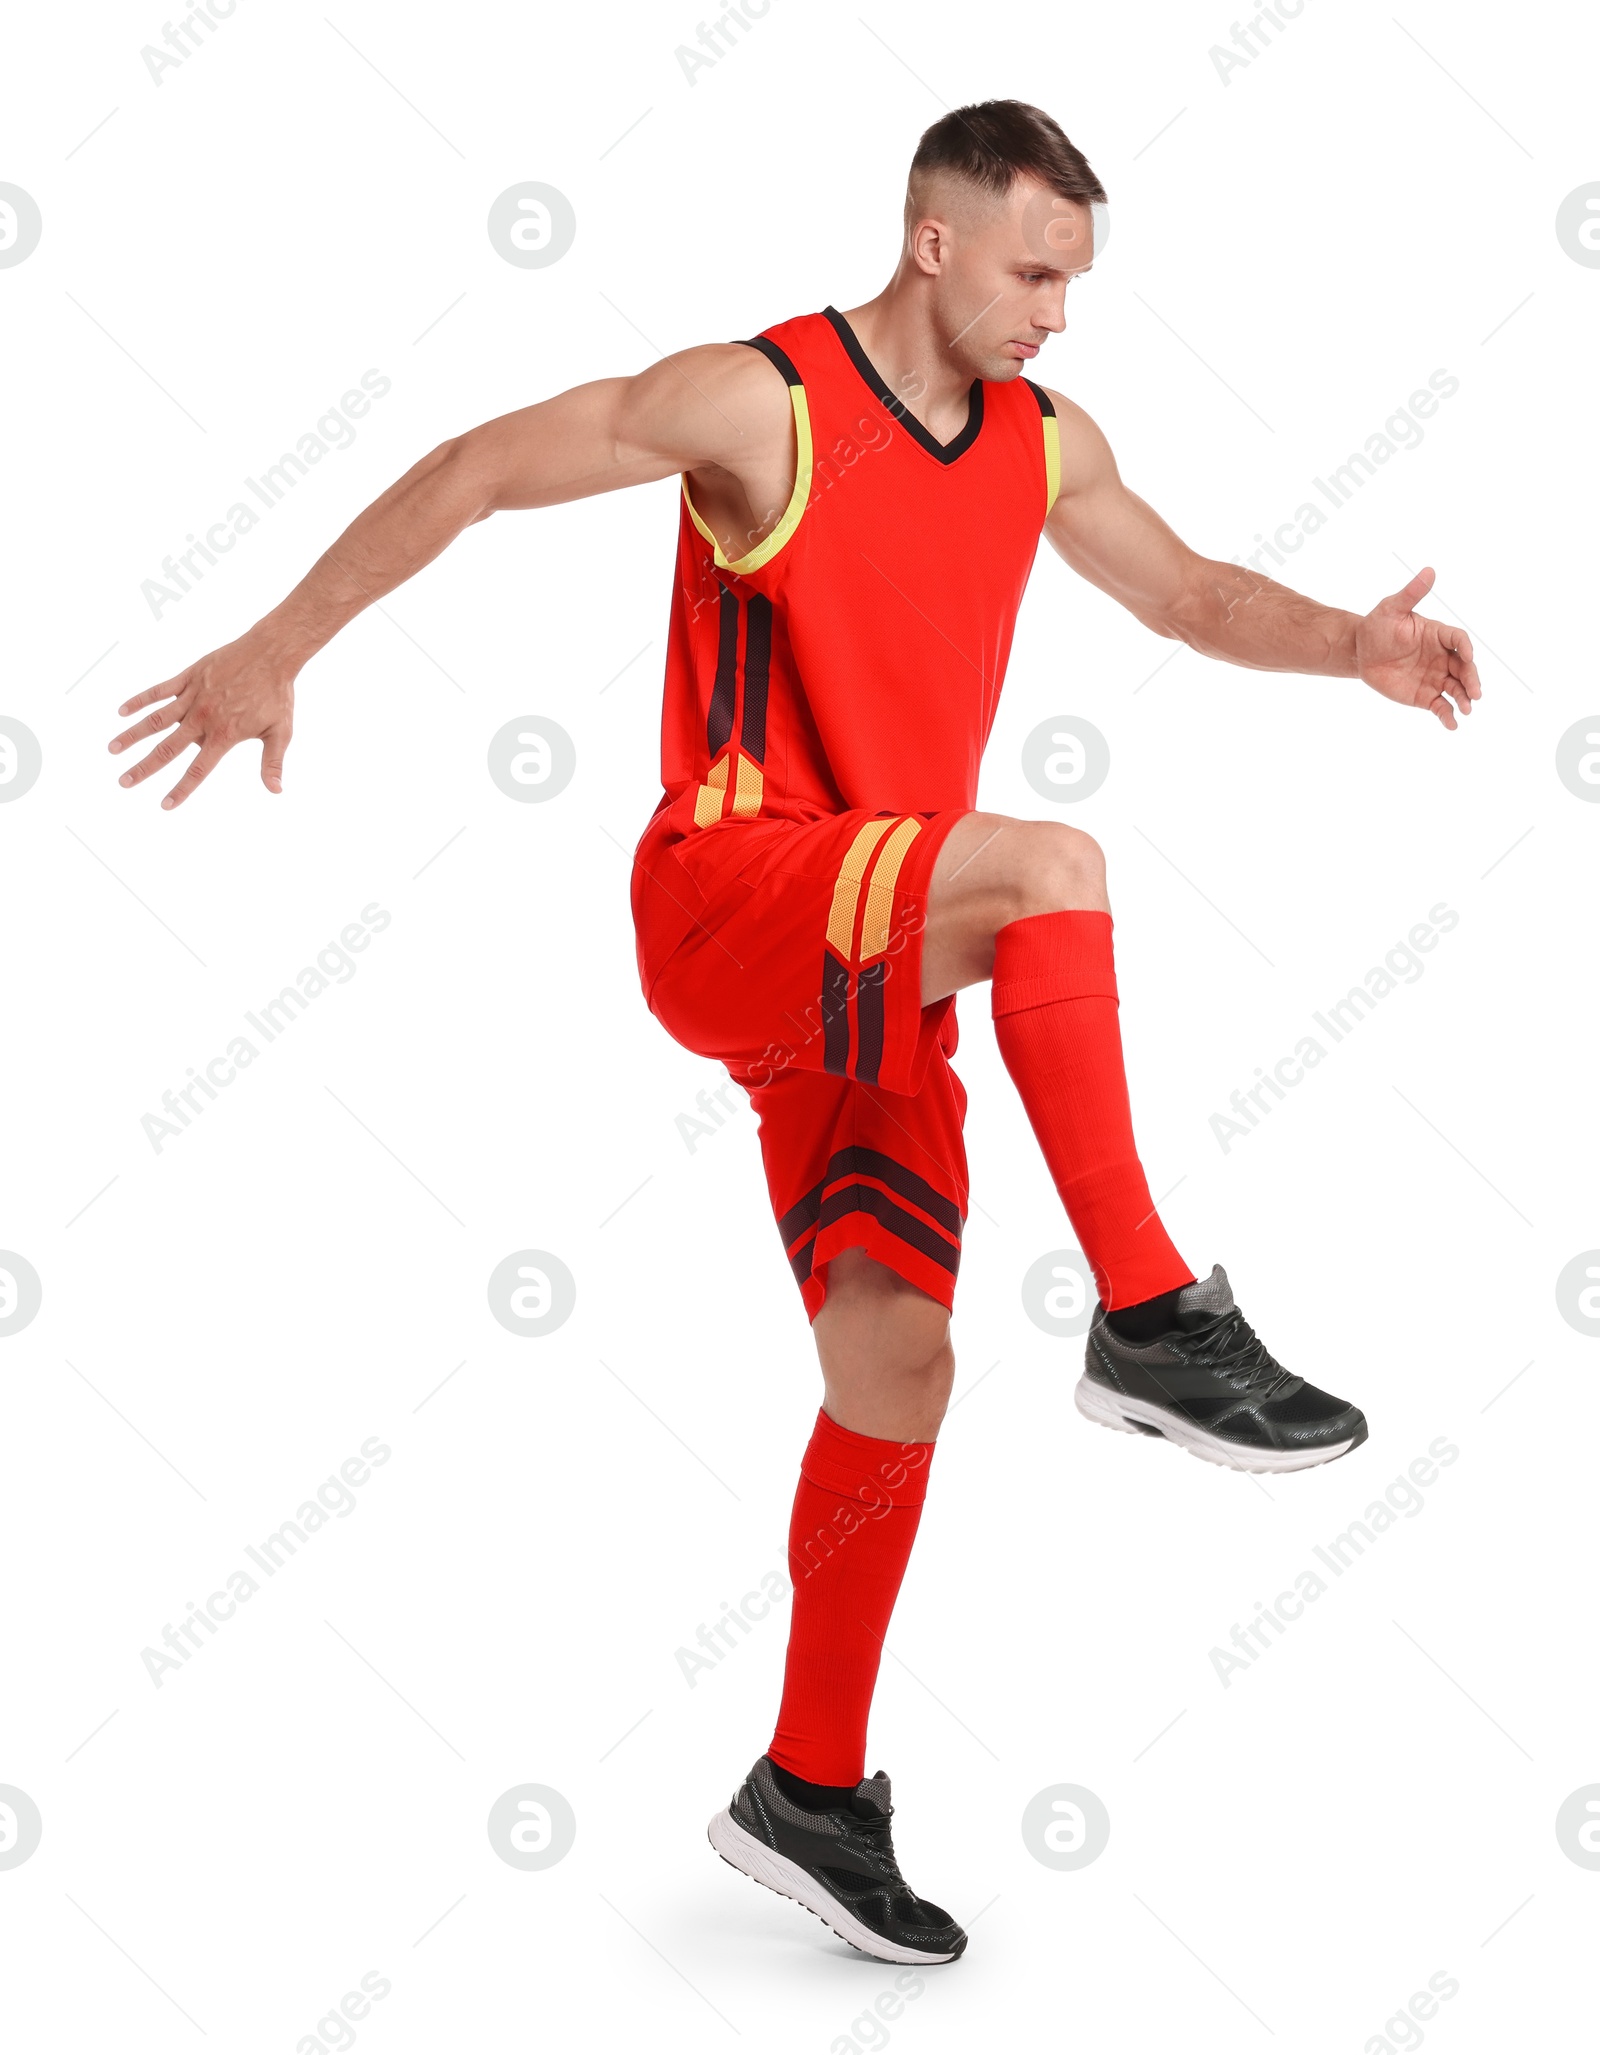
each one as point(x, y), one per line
point(1023, 903)
point(991, 871)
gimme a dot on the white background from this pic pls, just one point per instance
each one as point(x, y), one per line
point(225, 1320)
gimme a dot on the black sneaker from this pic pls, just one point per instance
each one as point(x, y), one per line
point(839, 1865)
point(1213, 1387)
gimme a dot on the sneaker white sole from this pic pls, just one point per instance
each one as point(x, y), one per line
point(1135, 1416)
point(789, 1880)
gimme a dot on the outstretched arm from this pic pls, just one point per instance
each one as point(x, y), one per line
point(711, 408)
point(1119, 542)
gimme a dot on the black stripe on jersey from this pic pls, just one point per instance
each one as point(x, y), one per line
point(865, 1162)
point(869, 1020)
point(757, 658)
point(1047, 406)
point(835, 1014)
point(946, 452)
point(719, 720)
point(773, 355)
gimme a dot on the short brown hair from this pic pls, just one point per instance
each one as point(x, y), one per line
point(994, 142)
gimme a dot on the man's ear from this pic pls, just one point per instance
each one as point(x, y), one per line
point(928, 242)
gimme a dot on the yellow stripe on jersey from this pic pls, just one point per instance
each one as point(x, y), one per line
point(708, 801)
point(1052, 461)
point(765, 551)
point(847, 886)
point(880, 893)
point(747, 790)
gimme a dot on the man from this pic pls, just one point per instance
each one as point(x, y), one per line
point(863, 495)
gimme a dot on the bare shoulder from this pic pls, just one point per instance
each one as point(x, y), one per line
point(709, 404)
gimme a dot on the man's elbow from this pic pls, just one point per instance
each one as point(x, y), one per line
point(1177, 620)
point(466, 465)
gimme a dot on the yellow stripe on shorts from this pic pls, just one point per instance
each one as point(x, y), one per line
point(880, 893)
point(847, 887)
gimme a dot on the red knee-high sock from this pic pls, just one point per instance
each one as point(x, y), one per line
point(855, 1518)
point(1054, 998)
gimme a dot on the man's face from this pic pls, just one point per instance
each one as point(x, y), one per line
point(1002, 266)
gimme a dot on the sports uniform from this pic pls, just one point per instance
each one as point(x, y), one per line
point(828, 698)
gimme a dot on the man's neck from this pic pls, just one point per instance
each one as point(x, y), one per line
point(897, 332)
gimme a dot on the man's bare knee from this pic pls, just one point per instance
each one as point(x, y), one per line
point(1056, 869)
point(870, 1307)
point(991, 871)
point(884, 1346)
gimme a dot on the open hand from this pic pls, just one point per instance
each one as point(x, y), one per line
point(242, 692)
point(1415, 661)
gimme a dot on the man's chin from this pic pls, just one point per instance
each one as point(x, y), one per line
point(999, 368)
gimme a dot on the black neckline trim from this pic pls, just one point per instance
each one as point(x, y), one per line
point(946, 452)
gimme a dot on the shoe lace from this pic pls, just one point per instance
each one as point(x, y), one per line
point(1229, 1343)
point(873, 1835)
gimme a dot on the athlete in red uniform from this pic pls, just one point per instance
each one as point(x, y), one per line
point(863, 497)
point(822, 733)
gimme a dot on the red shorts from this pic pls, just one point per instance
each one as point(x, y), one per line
point(792, 952)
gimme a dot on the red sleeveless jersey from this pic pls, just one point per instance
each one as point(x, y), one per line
point(854, 657)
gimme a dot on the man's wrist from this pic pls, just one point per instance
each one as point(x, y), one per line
point(1342, 658)
point(285, 637)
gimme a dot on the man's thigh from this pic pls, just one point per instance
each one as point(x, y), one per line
point(801, 972)
point(805, 950)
